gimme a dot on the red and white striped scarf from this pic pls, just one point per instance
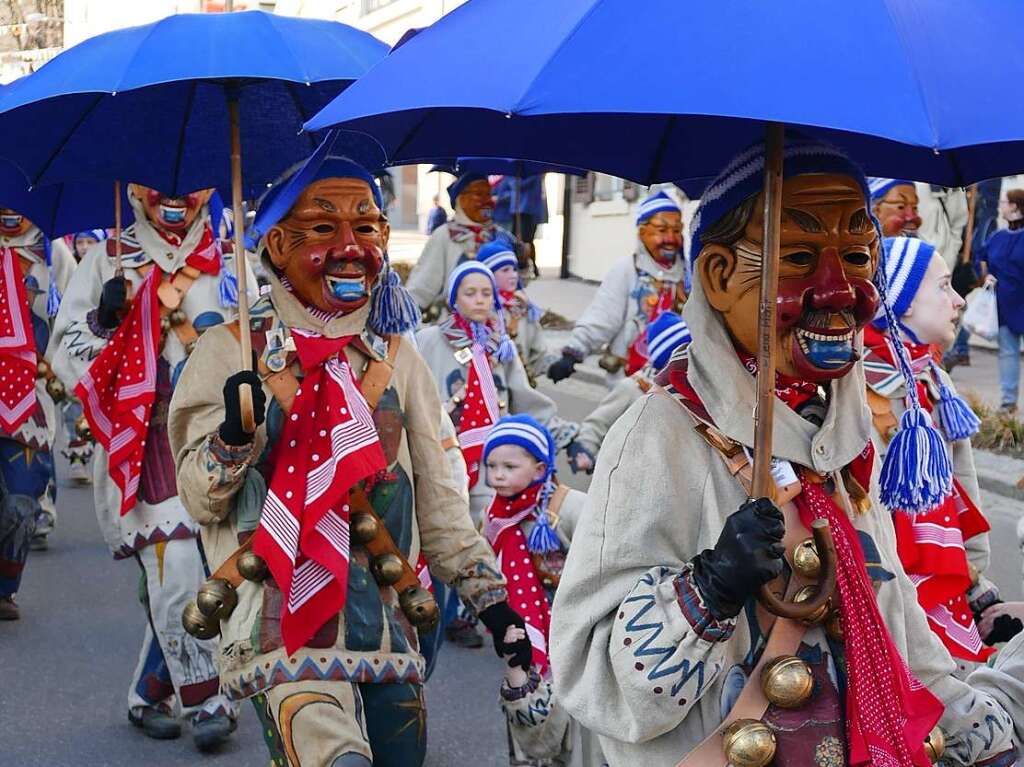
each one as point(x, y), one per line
point(327, 445)
point(480, 411)
point(17, 346)
point(526, 593)
point(118, 390)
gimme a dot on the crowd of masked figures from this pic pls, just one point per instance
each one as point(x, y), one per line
point(382, 480)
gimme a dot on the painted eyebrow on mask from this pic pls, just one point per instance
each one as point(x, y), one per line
point(325, 204)
point(808, 222)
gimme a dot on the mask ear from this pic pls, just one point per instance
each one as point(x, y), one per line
point(716, 265)
point(385, 233)
point(275, 247)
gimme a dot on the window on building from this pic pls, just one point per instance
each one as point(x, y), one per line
point(369, 6)
point(608, 187)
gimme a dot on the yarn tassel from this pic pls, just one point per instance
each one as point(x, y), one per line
point(506, 350)
point(533, 312)
point(542, 538)
point(392, 307)
point(228, 288)
point(955, 416)
point(917, 472)
point(52, 294)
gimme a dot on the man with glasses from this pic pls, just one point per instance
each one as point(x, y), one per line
point(636, 290)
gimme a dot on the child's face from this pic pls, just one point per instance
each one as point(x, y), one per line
point(507, 278)
point(510, 470)
point(475, 297)
point(82, 244)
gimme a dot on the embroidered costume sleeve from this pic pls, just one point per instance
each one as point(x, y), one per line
point(603, 319)
point(539, 725)
point(616, 402)
point(210, 472)
point(455, 551)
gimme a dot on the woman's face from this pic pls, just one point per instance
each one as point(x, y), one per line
point(1009, 211)
point(507, 278)
point(934, 311)
point(511, 469)
point(82, 244)
point(475, 297)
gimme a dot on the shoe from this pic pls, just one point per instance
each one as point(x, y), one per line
point(9, 609)
point(464, 634)
point(39, 543)
point(952, 360)
point(155, 723)
point(210, 733)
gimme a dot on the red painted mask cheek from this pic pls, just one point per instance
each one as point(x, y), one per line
point(867, 301)
point(153, 197)
point(793, 295)
point(192, 201)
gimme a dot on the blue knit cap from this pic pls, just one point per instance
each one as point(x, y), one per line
point(659, 202)
point(497, 254)
point(668, 332)
point(97, 234)
point(879, 187)
point(906, 261)
point(460, 272)
point(526, 432)
point(458, 186)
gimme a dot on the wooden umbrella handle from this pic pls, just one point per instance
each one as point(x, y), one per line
point(241, 273)
point(826, 548)
point(118, 269)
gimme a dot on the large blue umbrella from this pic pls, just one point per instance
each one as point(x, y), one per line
point(501, 166)
point(150, 104)
point(662, 90)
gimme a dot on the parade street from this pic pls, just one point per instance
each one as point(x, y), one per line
point(62, 703)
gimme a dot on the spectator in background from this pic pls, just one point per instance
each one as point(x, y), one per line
point(1003, 261)
point(521, 207)
point(438, 216)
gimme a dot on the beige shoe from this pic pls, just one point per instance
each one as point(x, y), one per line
point(9, 609)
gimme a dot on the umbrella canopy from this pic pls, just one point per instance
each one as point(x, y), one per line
point(501, 166)
point(610, 85)
point(149, 104)
point(59, 209)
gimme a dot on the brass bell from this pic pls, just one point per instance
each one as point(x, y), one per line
point(364, 527)
point(177, 317)
point(165, 324)
point(252, 567)
point(935, 744)
point(806, 594)
point(216, 599)
point(197, 624)
point(42, 368)
point(419, 607)
point(806, 560)
point(748, 743)
point(787, 681)
point(55, 388)
point(973, 574)
point(82, 428)
point(387, 569)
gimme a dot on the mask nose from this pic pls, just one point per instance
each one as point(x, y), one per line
point(832, 291)
point(345, 245)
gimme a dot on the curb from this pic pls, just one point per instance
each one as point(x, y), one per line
point(1000, 486)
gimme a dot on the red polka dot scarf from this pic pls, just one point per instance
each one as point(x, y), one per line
point(328, 444)
point(17, 347)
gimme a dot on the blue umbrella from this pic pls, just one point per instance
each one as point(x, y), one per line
point(667, 90)
point(501, 166)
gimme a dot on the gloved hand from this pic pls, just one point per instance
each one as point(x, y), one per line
point(1000, 622)
point(580, 459)
point(562, 368)
point(113, 299)
point(231, 431)
point(748, 554)
point(497, 618)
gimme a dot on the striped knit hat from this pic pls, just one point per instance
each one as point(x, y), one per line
point(879, 187)
point(497, 254)
point(659, 202)
point(458, 186)
point(664, 335)
point(906, 261)
point(460, 272)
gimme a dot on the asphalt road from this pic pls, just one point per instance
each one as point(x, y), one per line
point(65, 667)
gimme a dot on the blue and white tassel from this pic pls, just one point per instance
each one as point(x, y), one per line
point(543, 539)
point(392, 308)
point(955, 416)
point(52, 294)
point(228, 287)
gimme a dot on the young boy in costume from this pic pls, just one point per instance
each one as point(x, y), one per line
point(659, 640)
point(34, 273)
point(337, 493)
point(124, 332)
point(663, 337)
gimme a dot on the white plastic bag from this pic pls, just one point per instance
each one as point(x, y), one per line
point(982, 315)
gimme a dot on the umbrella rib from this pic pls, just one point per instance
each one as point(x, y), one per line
point(67, 137)
point(181, 134)
point(410, 135)
point(290, 89)
point(670, 124)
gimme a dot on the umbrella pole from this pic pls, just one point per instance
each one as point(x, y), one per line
point(118, 269)
point(238, 225)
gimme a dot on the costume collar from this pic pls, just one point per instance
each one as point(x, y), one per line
point(29, 244)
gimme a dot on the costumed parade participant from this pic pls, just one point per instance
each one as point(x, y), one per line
point(123, 336)
point(664, 336)
point(658, 640)
point(944, 550)
point(894, 204)
point(34, 273)
point(634, 292)
point(522, 316)
point(478, 373)
point(337, 493)
point(456, 241)
point(529, 524)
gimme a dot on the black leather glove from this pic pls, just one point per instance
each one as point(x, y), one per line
point(574, 449)
point(562, 368)
point(748, 554)
point(1004, 628)
point(497, 618)
point(231, 431)
point(113, 299)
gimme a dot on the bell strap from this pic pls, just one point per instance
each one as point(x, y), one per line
point(382, 543)
point(171, 294)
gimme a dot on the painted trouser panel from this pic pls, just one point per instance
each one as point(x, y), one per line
point(329, 724)
point(174, 668)
point(26, 488)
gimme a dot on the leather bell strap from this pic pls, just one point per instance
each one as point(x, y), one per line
point(171, 294)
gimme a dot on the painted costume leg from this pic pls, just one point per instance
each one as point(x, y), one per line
point(25, 476)
point(173, 573)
